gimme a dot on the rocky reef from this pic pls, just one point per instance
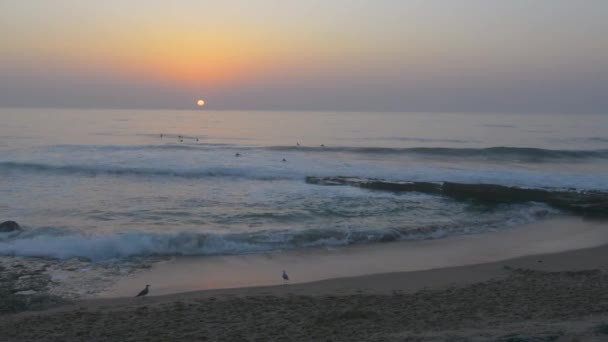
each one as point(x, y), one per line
point(586, 203)
point(25, 286)
point(9, 226)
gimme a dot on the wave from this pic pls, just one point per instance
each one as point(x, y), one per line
point(229, 172)
point(497, 125)
point(117, 246)
point(523, 153)
point(186, 146)
point(411, 139)
point(64, 245)
point(527, 154)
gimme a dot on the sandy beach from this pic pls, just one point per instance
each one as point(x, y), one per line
point(545, 297)
point(303, 171)
point(192, 273)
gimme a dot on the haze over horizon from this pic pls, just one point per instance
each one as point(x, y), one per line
point(389, 55)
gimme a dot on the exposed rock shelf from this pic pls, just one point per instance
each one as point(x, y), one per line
point(9, 226)
point(588, 203)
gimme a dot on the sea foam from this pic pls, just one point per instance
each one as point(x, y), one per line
point(63, 244)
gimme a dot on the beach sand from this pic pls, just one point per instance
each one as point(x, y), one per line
point(184, 274)
point(561, 296)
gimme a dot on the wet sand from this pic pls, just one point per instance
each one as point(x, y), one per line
point(560, 296)
point(183, 274)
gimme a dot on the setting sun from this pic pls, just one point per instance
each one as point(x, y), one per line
point(200, 103)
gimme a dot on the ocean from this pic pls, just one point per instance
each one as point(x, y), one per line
point(109, 186)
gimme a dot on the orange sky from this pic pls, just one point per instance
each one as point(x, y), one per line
point(208, 45)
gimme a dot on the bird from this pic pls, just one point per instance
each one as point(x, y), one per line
point(237, 154)
point(285, 276)
point(143, 292)
point(161, 136)
point(322, 145)
point(297, 144)
point(196, 139)
point(284, 160)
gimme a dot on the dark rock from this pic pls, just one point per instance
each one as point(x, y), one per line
point(424, 187)
point(21, 290)
point(587, 203)
point(376, 184)
point(602, 329)
point(328, 180)
point(9, 226)
point(492, 193)
point(520, 338)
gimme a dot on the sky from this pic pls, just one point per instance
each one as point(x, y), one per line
point(317, 55)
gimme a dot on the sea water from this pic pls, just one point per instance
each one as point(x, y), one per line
point(109, 185)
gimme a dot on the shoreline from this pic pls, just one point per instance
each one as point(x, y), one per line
point(552, 296)
point(563, 295)
point(191, 273)
point(577, 260)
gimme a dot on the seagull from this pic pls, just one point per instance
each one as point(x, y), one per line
point(237, 154)
point(143, 292)
point(322, 145)
point(285, 276)
point(297, 144)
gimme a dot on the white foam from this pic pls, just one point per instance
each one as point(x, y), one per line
point(64, 245)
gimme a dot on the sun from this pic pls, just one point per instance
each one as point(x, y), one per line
point(200, 103)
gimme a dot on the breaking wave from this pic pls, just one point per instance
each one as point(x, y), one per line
point(65, 244)
point(232, 172)
point(528, 154)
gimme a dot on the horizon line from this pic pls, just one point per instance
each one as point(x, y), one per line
point(194, 108)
